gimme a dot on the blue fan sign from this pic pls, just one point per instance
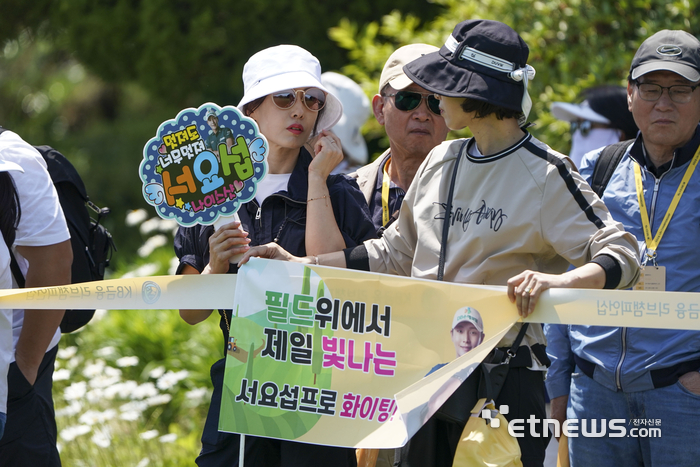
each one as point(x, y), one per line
point(203, 164)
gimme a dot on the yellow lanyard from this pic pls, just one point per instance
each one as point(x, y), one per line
point(386, 182)
point(653, 243)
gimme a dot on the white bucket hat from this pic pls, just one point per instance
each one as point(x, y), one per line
point(287, 67)
point(574, 112)
point(355, 113)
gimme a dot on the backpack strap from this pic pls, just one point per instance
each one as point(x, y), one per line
point(607, 162)
point(16, 271)
point(448, 211)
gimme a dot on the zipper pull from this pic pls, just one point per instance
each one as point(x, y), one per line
point(257, 214)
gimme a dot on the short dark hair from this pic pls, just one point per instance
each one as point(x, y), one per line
point(11, 212)
point(483, 109)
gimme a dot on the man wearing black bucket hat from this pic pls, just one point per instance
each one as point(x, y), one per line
point(500, 209)
point(647, 377)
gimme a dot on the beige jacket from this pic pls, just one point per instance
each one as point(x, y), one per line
point(524, 208)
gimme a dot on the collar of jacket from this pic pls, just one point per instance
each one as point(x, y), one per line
point(298, 185)
point(681, 156)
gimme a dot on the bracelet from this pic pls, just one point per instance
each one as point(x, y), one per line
point(320, 197)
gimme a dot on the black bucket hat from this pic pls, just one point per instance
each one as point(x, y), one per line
point(483, 60)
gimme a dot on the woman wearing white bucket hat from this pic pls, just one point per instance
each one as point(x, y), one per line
point(297, 205)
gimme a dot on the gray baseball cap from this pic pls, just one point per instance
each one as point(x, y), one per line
point(668, 50)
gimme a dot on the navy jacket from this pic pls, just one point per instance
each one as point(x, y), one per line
point(282, 219)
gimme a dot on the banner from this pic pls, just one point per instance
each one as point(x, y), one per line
point(348, 358)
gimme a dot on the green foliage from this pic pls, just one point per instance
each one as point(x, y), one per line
point(573, 45)
point(190, 51)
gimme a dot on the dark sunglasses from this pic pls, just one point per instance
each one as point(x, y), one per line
point(409, 100)
point(585, 126)
point(314, 98)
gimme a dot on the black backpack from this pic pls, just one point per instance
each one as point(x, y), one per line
point(91, 242)
point(606, 164)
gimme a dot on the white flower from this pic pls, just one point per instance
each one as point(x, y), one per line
point(113, 372)
point(70, 410)
point(105, 351)
point(134, 406)
point(174, 263)
point(71, 432)
point(94, 395)
point(144, 390)
point(75, 391)
point(127, 361)
point(167, 225)
point(104, 381)
point(196, 394)
point(90, 417)
point(99, 313)
point(93, 417)
point(122, 390)
point(61, 375)
point(171, 378)
point(159, 399)
point(144, 462)
point(151, 244)
point(102, 438)
point(157, 372)
point(148, 269)
point(169, 438)
point(93, 369)
point(130, 416)
point(149, 434)
point(151, 225)
point(135, 217)
point(67, 353)
point(73, 362)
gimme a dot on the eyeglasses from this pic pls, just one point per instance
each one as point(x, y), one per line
point(409, 100)
point(314, 99)
point(680, 94)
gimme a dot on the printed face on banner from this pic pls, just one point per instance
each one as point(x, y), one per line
point(465, 337)
point(467, 330)
point(203, 164)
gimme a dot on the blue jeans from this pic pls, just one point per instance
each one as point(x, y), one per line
point(3, 418)
point(675, 411)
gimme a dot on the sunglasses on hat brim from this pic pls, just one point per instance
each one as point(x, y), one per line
point(410, 100)
point(313, 98)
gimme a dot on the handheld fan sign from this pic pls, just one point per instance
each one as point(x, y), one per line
point(203, 165)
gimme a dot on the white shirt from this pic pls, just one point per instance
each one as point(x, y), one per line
point(42, 222)
point(272, 183)
point(6, 351)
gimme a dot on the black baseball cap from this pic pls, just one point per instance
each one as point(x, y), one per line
point(476, 62)
point(668, 50)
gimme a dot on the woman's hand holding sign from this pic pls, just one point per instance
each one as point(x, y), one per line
point(228, 241)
